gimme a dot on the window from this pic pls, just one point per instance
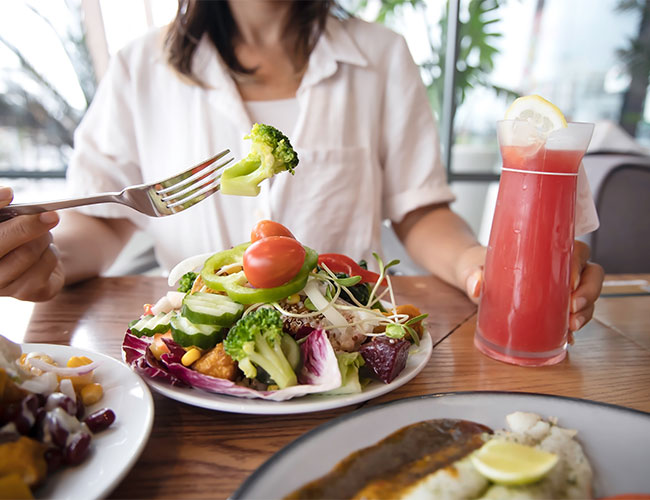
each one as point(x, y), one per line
point(590, 58)
point(47, 81)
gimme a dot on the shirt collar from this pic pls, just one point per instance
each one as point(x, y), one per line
point(334, 46)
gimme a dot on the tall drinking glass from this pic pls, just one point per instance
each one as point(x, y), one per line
point(523, 315)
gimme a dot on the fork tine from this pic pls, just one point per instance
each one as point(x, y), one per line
point(192, 183)
point(190, 175)
point(194, 198)
point(192, 187)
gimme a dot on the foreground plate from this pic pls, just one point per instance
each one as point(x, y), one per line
point(115, 450)
point(615, 439)
point(313, 402)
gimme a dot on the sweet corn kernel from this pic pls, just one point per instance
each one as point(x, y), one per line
point(77, 361)
point(190, 356)
point(293, 299)
point(80, 381)
point(91, 393)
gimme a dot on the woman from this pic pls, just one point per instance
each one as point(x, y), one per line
point(346, 92)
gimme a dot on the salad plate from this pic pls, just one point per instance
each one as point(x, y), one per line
point(270, 326)
point(417, 360)
point(115, 450)
point(615, 439)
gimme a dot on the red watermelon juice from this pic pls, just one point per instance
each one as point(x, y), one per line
point(523, 313)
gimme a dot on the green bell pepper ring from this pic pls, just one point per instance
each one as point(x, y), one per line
point(235, 284)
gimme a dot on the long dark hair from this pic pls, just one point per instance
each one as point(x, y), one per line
point(198, 17)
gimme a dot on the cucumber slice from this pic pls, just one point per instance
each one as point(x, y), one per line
point(291, 350)
point(211, 309)
point(187, 334)
point(150, 325)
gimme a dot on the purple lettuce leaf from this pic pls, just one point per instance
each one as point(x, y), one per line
point(319, 373)
point(138, 356)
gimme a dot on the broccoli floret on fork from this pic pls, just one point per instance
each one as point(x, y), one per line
point(271, 153)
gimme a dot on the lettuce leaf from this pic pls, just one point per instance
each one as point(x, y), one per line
point(349, 364)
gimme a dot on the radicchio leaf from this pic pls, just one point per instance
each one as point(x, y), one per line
point(138, 356)
point(320, 370)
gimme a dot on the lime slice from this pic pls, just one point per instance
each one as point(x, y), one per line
point(536, 110)
point(505, 462)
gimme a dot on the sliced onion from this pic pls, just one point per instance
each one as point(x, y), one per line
point(66, 387)
point(166, 303)
point(185, 266)
point(325, 306)
point(175, 299)
point(163, 305)
point(63, 371)
point(43, 384)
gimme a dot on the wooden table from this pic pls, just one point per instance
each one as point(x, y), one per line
point(197, 453)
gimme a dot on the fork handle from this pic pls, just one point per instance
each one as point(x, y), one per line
point(11, 211)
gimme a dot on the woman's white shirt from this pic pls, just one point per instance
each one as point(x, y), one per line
point(282, 114)
point(364, 133)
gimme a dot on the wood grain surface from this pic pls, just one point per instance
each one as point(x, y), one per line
point(627, 313)
point(198, 453)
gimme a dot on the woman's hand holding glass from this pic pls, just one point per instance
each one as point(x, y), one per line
point(586, 278)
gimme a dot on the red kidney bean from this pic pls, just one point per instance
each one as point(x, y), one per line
point(100, 420)
point(40, 416)
point(81, 409)
point(57, 432)
point(77, 449)
point(61, 400)
point(31, 403)
point(24, 422)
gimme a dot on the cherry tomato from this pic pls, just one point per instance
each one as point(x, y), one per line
point(273, 261)
point(265, 228)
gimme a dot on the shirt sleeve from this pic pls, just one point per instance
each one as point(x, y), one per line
point(105, 156)
point(413, 172)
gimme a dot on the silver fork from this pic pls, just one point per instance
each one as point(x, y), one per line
point(156, 199)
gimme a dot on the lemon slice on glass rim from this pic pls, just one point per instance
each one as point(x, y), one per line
point(542, 114)
point(509, 463)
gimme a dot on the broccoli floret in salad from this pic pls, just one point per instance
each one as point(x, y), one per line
point(271, 153)
point(256, 342)
point(186, 282)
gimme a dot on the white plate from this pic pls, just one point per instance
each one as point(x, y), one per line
point(615, 439)
point(416, 361)
point(115, 450)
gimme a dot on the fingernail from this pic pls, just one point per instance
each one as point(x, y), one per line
point(579, 303)
point(578, 323)
point(576, 282)
point(6, 193)
point(49, 217)
point(55, 250)
point(474, 284)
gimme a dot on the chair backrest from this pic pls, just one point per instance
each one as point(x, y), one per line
point(622, 242)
